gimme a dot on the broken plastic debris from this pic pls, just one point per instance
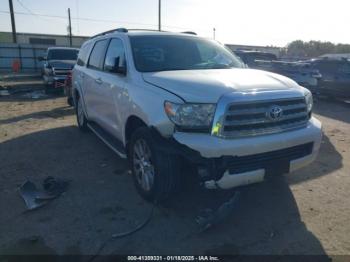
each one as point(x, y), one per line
point(35, 198)
point(210, 218)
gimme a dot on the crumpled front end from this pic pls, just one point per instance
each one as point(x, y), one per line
point(250, 138)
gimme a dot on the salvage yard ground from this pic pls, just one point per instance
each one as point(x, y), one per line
point(306, 212)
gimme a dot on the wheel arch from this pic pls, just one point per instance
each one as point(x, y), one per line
point(132, 124)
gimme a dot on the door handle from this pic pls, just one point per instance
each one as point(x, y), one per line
point(98, 81)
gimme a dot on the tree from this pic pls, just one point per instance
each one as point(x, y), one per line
point(301, 49)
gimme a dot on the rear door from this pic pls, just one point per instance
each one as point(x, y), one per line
point(94, 97)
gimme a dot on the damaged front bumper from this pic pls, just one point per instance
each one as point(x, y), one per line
point(227, 163)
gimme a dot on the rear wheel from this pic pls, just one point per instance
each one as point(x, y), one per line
point(81, 119)
point(70, 101)
point(155, 173)
point(48, 89)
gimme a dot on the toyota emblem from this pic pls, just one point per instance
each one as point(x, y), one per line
point(274, 113)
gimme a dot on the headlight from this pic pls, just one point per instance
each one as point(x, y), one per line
point(191, 116)
point(309, 101)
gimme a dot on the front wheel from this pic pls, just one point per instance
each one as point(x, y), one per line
point(155, 173)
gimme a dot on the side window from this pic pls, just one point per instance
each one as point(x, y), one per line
point(97, 55)
point(83, 54)
point(115, 55)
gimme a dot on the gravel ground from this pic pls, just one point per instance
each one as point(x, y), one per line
point(306, 212)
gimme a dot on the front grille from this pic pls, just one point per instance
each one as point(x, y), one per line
point(254, 118)
point(270, 160)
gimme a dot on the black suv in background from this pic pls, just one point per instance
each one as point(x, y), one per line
point(335, 79)
point(57, 64)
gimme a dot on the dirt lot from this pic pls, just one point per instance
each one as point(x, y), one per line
point(306, 212)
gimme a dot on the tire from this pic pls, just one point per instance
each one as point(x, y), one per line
point(81, 118)
point(70, 101)
point(165, 167)
point(47, 89)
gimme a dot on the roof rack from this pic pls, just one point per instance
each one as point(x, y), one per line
point(189, 32)
point(151, 30)
point(121, 30)
point(124, 30)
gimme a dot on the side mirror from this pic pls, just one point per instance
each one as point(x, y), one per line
point(121, 70)
point(116, 68)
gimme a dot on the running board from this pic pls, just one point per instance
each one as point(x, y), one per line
point(109, 140)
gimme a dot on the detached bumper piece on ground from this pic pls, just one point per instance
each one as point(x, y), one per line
point(210, 218)
point(35, 198)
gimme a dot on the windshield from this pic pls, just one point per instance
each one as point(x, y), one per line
point(165, 53)
point(62, 54)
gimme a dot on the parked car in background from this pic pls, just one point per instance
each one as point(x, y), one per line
point(169, 101)
point(335, 79)
point(300, 72)
point(58, 62)
point(250, 57)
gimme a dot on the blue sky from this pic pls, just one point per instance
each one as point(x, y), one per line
point(254, 22)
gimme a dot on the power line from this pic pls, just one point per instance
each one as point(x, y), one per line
point(93, 20)
point(30, 11)
point(26, 8)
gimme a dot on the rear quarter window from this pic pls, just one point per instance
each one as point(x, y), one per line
point(84, 54)
point(97, 55)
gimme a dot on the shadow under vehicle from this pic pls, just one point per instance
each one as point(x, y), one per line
point(58, 63)
point(335, 79)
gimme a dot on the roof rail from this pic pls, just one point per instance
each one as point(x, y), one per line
point(151, 30)
point(189, 32)
point(121, 30)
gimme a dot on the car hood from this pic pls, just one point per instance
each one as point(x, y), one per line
point(62, 64)
point(207, 86)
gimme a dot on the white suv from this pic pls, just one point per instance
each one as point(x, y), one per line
point(170, 100)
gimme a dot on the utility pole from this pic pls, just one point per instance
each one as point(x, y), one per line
point(14, 34)
point(214, 32)
point(70, 28)
point(159, 15)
